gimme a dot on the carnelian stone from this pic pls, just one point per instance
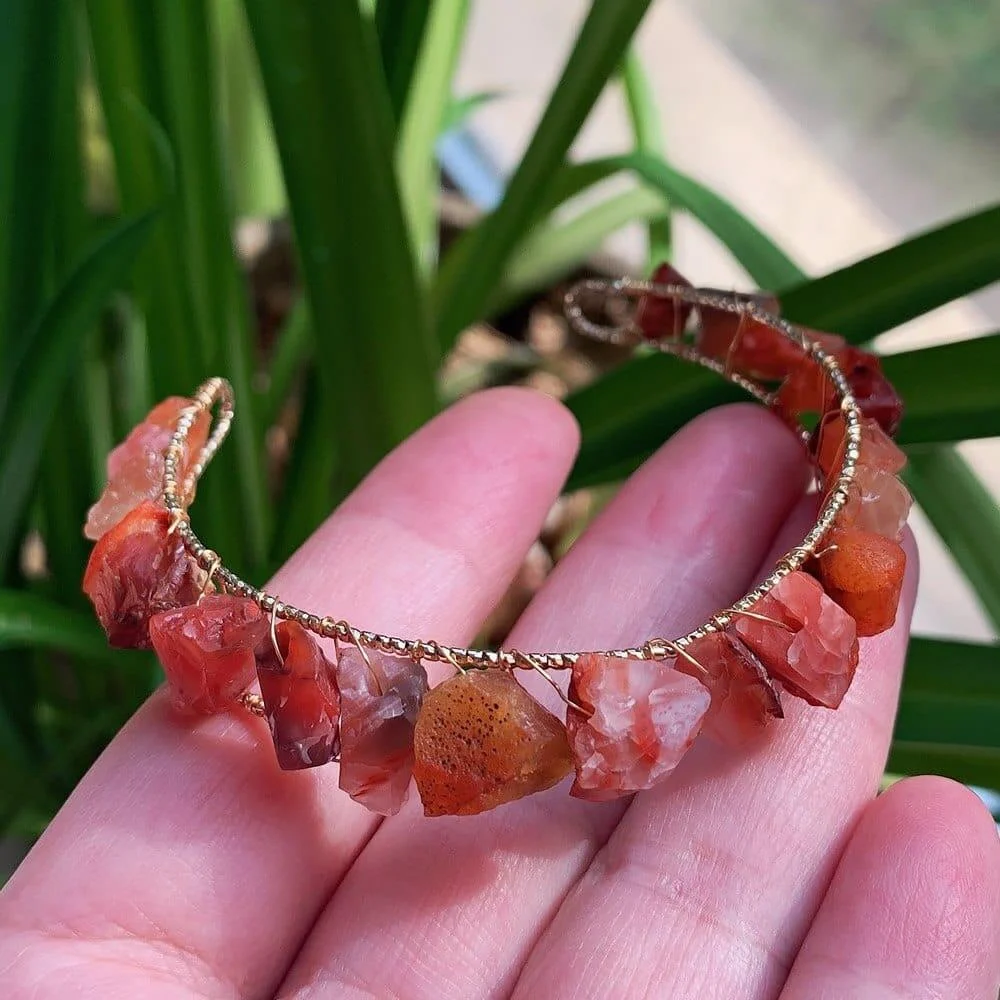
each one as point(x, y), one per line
point(379, 703)
point(813, 648)
point(878, 450)
point(207, 651)
point(807, 389)
point(658, 317)
point(639, 718)
point(135, 467)
point(863, 572)
point(136, 570)
point(744, 699)
point(301, 701)
point(876, 502)
point(872, 391)
point(481, 740)
point(746, 344)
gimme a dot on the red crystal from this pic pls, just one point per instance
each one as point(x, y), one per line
point(878, 450)
point(136, 570)
point(207, 651)
point(813, 648)
point(659, 317)
point(379, 703)
point(481, 740)
point(746, 344)
point(744, 699)
point(872, 391)
point(135, 467)
point(301, 701)
point(639, 718)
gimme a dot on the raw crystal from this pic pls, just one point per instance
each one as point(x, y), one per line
point(136, 570)
point(746, 344)
point(872, 391)
point(744, 699)
point(482, 740)
point(878, 450)
point(813, 648)
point(863, 572)
point(657, 317)
point(135, 467)
point(379, 703)
point(639, 718)
point(207, 651)
point(301, 701)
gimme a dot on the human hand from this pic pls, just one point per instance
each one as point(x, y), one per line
point(187, 865)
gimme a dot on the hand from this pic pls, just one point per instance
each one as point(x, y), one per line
point(187, 865)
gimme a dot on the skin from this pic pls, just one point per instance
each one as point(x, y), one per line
point(186, 865)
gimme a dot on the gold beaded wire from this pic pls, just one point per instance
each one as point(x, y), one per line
point(217, 393)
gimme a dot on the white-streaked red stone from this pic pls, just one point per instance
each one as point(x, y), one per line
point(379, 703)
point(639, 718)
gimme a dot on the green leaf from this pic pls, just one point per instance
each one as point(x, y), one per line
point(334, 129)
point(952, 391)
point(423, 117)
point(965, 515)
point(27, 392)
point(465, 282)
point(400, 32)
point(460, 109)
point(903, 282)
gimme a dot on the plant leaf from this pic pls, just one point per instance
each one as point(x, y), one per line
point(865, 299)
point(465, 281)
point(27, 394)
point(400, 31)
point(460, 109)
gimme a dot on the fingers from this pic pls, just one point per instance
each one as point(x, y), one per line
point(186, 864)
point(451, 907)
point(709, 882)
point(914, 907)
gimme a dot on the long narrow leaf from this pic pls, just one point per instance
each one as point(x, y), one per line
point(466, 280)
point(400, 32)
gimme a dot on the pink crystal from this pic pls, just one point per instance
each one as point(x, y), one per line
point(813, 650)
point(640, 717)
point(744, 699)
point(301, 701)
point(207, 651)
point(379, 703)
point(135, 467)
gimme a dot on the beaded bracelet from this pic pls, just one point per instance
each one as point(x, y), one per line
point(479, 739)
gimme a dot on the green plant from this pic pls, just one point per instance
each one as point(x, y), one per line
point(331, 111)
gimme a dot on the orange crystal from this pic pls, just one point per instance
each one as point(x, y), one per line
point(135, 467)
point(379, 703)
point(863, 572)
point(301, 701)
point(745, 344)
point(813, 648)
point(136, 570)
point(659, 317)
point(207, 651)
point(639, 718)
point(481, 740)
point(744, 698)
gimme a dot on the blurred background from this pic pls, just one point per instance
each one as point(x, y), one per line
point(404, 189)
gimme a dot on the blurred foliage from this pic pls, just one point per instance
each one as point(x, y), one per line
point(140, 134)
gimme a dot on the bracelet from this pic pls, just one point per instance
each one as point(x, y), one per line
point(479, 739)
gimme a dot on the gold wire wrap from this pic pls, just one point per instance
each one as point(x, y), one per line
point(218, 393)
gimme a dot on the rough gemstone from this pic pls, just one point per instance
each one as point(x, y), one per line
point(207, 651)
point(813, 650)
point(872, 391)
point(639, 718)
point(301, 701)
point(481, 740)
point(745, 344)
point(379, 703)
point(863, 572)
point(744, 699)
point(878, 450)
point(136, 570)
point(135, 467)
point(659, 317)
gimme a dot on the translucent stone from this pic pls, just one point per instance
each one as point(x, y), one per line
point(746, 345)
point(744, 699)
point(813, 650)
point(863, 572)
point(207, 651)
point(662, 317)
point(878, 450)
point(301, 701)
point(872, 391)
point(135, 467)
point(481, 740)
point(640, 718)
point(877, 502)
point(135, 571)
point(379, 703)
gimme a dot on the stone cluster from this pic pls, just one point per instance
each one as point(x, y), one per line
point(479, 739)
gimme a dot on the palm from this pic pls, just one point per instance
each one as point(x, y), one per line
point(187, 865)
